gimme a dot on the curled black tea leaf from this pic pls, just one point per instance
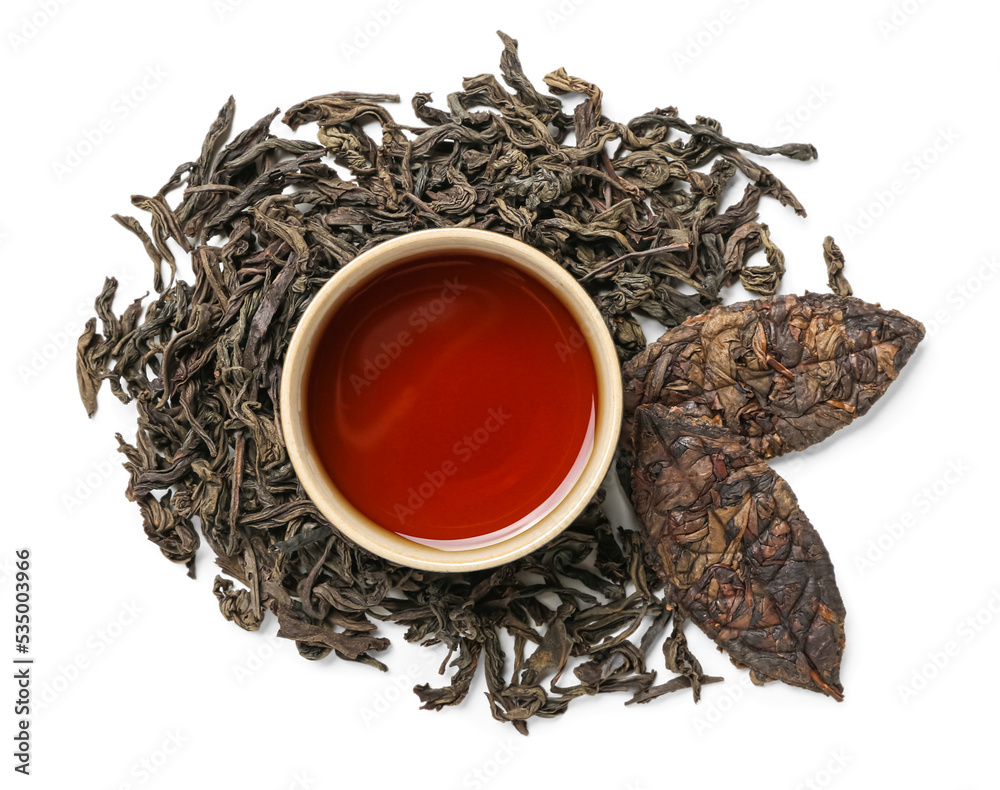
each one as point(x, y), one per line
point(835, 268)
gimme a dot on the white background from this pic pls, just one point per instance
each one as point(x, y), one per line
point(899, 98)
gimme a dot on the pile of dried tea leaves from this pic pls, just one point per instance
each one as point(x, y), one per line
point(633, 210)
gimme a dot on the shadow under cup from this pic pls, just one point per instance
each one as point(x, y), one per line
point(451, 399)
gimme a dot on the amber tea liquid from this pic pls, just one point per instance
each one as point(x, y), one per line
point(452, 399)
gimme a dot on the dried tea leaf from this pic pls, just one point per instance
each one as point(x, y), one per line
point(746, 240)
point(88, 377)
point(835, 268)
point(236, 605)
point(784, 373)
point(738, 555)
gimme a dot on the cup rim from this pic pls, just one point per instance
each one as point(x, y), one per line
point(335, 507)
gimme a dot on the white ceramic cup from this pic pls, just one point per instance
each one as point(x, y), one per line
point(317, 483)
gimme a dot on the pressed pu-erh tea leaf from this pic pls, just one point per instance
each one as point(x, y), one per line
point(706, 405)
point(785, 372)
point(739, 556)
